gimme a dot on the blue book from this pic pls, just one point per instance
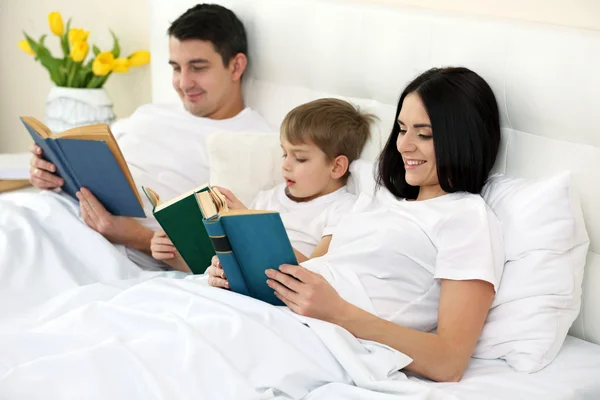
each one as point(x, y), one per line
point(247, 242)
point(89, 156)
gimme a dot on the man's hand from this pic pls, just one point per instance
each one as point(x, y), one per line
point(41, 172)
point(120, 230)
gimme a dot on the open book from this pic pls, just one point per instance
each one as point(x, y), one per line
point(89, 156)
point(181, 219)
point(247, 243)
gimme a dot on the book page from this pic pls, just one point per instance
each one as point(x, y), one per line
point(37, 126)
point(180, 197)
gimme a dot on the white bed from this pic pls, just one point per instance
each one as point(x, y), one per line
point(546, 81)
point(147, 337)
point(573, 375)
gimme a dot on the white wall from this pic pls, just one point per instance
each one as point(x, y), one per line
point(24, 83)
point(575, 13)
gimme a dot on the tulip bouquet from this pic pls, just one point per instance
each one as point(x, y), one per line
point(72, 70)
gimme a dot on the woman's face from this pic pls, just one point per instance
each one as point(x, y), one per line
point(415, 144)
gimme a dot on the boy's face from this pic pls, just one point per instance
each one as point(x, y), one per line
point(203, 83)
point(306, 171)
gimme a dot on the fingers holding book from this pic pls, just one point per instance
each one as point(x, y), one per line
point(161, 246)
point(216, 275)
point(233, 203)
point(305, 292)
point(41, 172)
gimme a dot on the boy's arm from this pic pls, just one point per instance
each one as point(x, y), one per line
point(177, 263)
point(322, 248)
point(319, 251)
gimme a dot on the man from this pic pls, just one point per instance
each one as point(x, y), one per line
point(164, 147)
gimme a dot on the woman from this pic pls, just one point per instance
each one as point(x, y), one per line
point(416, 270)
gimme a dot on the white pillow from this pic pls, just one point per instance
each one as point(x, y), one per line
point(546, 244)
point(540, 292)
point(245, 162)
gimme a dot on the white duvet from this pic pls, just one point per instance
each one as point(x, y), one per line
point(148, 335)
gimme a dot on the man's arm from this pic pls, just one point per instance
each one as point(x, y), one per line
point(120, 230)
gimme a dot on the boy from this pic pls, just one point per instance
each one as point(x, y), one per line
point(319, 140)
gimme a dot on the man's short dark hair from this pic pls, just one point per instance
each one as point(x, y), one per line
point(466, 132)
point(212, 23)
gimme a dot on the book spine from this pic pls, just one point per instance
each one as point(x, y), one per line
point(222, 247)
point(71, 185)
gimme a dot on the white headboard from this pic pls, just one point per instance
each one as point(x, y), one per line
point(546, 79)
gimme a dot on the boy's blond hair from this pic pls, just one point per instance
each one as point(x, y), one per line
point(334, 126)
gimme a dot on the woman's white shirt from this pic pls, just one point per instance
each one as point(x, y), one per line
point(389, 255)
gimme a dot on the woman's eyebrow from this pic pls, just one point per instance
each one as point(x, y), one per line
point(416, 125)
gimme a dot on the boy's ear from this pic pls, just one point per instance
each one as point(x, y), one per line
point(340, 167)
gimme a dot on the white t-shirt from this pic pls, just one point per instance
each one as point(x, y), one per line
point(389, 255)
point(165, 148)
point(306, 222)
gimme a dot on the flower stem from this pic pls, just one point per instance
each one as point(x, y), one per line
point(72, 72)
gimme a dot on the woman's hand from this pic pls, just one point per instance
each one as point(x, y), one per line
point(306, 293)
point(232, 202)
point(216, 275)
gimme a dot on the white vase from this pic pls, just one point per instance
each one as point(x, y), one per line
point(67, 108)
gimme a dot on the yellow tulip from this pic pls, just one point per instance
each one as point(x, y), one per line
point(78, 35)
point(56, 23)
point(139, 58)
point(24, 45)
point(121, 65)
point(103, 64)
point(79, 50)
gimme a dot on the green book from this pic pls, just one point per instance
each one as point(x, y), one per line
point(181, 219)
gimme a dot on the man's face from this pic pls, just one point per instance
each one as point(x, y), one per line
point(203, 83)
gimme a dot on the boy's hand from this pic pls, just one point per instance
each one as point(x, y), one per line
point(232, 202)
point(163, 250)
point(161, 246)
point(216, 275)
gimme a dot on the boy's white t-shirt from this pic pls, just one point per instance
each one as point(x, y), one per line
point(306, 222)
point(389, 255)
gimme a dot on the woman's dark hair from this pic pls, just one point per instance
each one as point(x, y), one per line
point(212, 23)
point(466, 132)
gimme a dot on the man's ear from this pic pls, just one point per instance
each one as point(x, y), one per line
point(238, 65)
point(340, 167)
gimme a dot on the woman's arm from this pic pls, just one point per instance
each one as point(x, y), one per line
point(441, 356)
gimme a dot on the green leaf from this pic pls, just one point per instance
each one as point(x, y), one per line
point(96, 50)
point(55, 66)
point(116, 48)
point(64, 40)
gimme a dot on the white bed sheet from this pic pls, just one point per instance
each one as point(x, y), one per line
point(573, 375)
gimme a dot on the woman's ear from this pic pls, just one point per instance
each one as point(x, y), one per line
point(238, 64)
point(340, 167)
